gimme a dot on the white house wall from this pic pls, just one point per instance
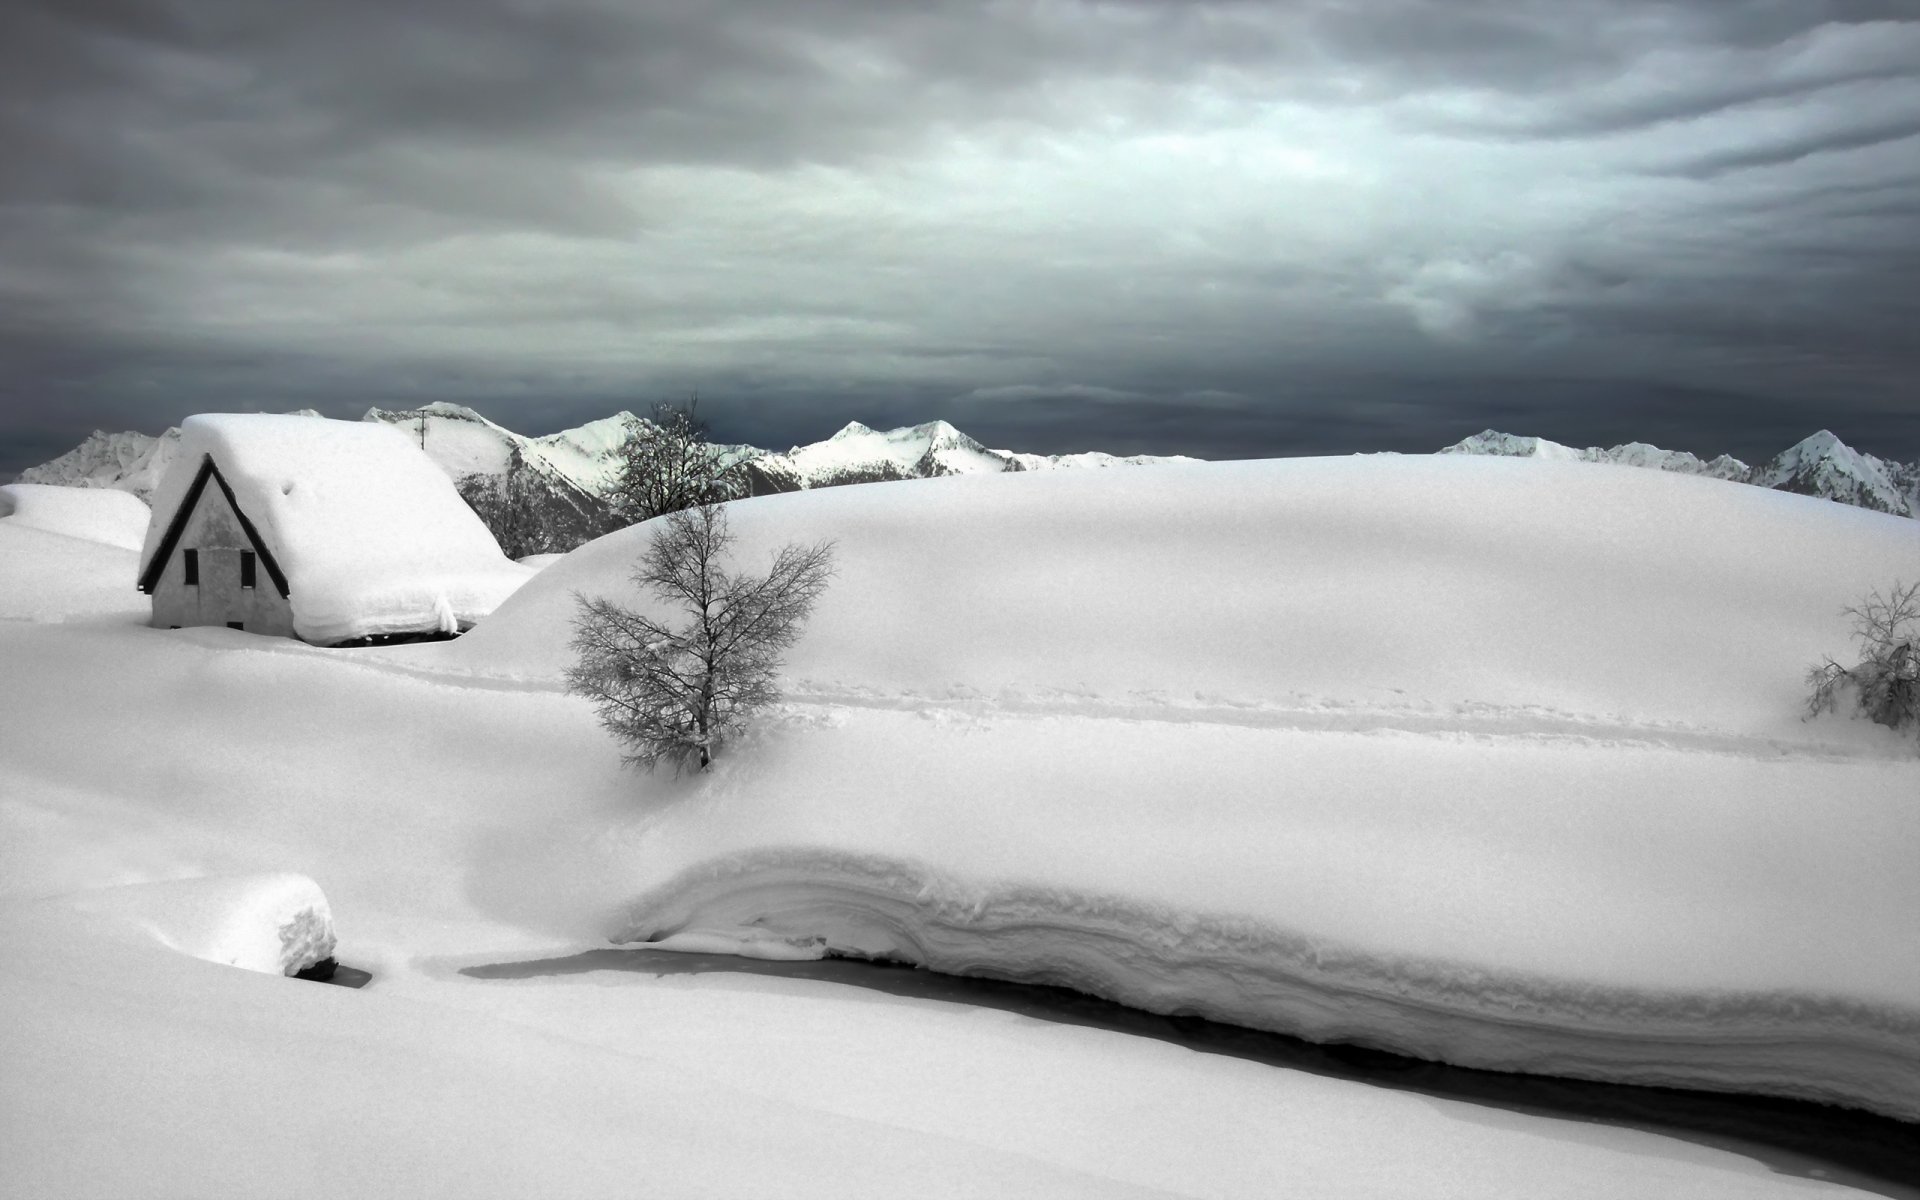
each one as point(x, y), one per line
point(214, 530)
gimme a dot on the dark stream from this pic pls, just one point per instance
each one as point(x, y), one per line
point(1792, 1137)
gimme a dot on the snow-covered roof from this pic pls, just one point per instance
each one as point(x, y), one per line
point(370, 535)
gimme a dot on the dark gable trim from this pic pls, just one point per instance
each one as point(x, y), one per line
point(151, 576)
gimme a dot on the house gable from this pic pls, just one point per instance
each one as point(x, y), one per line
point(163, 553)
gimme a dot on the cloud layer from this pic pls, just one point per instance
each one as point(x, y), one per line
point(1220, 228)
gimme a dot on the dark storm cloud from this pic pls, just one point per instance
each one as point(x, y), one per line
point(1231, 227)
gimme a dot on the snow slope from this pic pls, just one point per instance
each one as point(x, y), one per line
point(458, 826)
point(1493, 762)
point(1096, 727)
point(69, 553)
point(372, 539)
point(109, 517)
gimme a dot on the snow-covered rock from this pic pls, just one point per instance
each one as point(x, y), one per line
point(277, 924)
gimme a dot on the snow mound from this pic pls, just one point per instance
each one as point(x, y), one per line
point(66, 554)
point(372, 538)
point(1454, 722)
point(1246, 972)
point(1404, 581)
point(278, 924)
point(110, 517)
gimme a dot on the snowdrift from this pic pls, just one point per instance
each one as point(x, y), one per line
point(69, 553)
point(112, 518)
point(1488, 761)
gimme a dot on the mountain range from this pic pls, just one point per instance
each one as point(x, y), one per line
point(1820, 465)
point(550, 494)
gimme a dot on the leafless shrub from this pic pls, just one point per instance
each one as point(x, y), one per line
point(1885, 685)
point(675, 693)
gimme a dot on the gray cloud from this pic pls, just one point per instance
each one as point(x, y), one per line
point(1248, 227)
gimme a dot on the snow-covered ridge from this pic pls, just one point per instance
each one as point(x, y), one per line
point(1820, 465)
point(1536, 818)
point(1247, 972)
point(1152, 733)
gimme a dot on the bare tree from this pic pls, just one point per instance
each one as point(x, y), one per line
point(668, 464)
point(1886, 683)
point(675, 693)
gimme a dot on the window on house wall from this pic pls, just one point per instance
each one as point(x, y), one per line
point(246, 568)
point(191, 560)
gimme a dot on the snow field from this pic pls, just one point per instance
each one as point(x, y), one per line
point(111, 518)
point(454, 825)
point(1126, 753)
point(1498, 763)
point(69, 553)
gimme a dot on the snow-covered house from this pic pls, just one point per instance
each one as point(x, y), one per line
point(328, 531)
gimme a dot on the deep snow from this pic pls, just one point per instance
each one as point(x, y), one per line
point(1497, 763)
point(1247, 733)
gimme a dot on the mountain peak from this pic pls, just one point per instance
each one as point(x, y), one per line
point(852, 429)
point(1819, 464)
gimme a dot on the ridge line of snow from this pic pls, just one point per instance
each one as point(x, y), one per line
point(1243, 971)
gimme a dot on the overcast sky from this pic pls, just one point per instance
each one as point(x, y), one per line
point(1226, 229)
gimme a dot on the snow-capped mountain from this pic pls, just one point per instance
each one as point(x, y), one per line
point(548, 494)
point(130, 462)
point(542, 495)
point(1632, 454)
point(537, 495)
point(1821, 465)
point(858, 454)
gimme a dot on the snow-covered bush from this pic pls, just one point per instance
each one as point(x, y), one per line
point(674, 694)
point(1885, 685)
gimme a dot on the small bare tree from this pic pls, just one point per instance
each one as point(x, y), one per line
point(668, 464)
point(674, 693)
point(1886, 683)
